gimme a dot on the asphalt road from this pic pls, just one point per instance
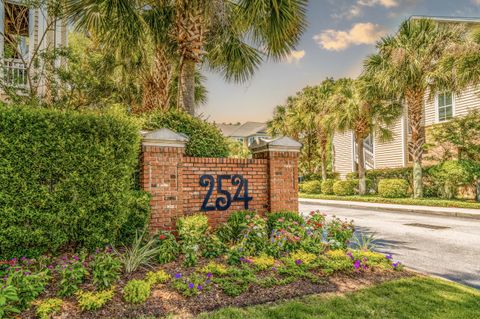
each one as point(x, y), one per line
point(447, 247)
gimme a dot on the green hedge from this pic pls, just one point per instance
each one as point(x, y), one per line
point(205, 139)
point(393, 188)
point(311, 187)
point(66, 179)
point(345, 188)
point(327, 186)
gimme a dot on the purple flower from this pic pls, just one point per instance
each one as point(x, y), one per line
point(395, 265)
point(389, 256)
point(75, 258)
point(209, 275)
point(199, 287)
point(298, 262)
point(50, 267)
point(178, 276)
point(207, 281)
point(349, 254)
point(191, 285)
point(356, 264)
point(274, 269)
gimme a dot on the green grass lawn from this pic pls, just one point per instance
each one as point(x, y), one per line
point(403, 201)
point(416, 297)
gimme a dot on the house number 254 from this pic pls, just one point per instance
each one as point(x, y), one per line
point(224, 199)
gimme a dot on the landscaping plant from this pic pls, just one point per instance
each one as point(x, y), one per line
point(339, 233)
point(106, 269)
point(192, 230)
point(136, 291)
point(72, 273)
point(88, 300)
point(140, 253)
point(8, 299)
point(393, 188)
point(45, 309)
point(168, 247)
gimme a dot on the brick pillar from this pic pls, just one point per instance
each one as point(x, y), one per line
point(160, 175)
point(282, 155)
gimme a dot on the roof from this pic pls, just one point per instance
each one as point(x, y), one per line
point(448, 19)
point(243, 130)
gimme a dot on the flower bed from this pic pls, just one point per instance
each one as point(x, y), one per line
point(249, 260)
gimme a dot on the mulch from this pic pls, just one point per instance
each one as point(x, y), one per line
point(164, 300)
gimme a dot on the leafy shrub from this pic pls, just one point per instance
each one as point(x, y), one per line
point(205, 139)
point(65, 178)
point(339, 233)
point(192, 230)
point(106, 269)
point(72, 273)
point(137, 218)
point(237, 282)
point(141, 252)
point(345, 188)
point(277, 219)
point(450, 175)
point(212, 246)
point(28, 284)
point(8, 298)
point(287, 232)
point(157, 277)
point(236, 224)
point(168, 247)
point(254, 237)
point(47, 308)
point(136, 291)
point(311, 187)
point(94, 300)
point(393, 188)
point(327, 186)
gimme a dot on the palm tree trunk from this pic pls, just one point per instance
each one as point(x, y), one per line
point(323, 154)
point(156, 84)
point(417, 140)
point(188, 86)
point(362, 183)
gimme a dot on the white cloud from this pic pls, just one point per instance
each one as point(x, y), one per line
point(385, 3)
point(360, 33)
point(295, 56)
point(356, 9)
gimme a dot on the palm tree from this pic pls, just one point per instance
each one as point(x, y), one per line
point(229, 37)
point(413, 63)
point(359, 106)
point(303, 118)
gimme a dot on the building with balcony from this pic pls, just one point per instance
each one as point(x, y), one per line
point(25, 33)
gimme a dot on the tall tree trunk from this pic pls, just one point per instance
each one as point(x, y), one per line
point(191, 28)
point(323, 141)
point(362, 183)
point(188, 86)
point(156, 85)
point(417, 140)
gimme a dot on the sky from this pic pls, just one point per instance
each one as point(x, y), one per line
point(340, 34)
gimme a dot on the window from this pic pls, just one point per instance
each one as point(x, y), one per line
point(445, 106)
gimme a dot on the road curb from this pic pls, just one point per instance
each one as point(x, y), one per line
point(403, 209)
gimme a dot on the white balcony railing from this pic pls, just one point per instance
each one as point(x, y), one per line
point(14, 73)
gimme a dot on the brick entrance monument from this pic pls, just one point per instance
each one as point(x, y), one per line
point(180, 185)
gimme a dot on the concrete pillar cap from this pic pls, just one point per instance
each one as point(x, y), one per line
point(164, 137)
point(279, 144)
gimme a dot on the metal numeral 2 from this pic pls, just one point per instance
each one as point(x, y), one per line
point(225, 201)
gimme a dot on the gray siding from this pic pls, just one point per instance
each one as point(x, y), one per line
point(343, 157)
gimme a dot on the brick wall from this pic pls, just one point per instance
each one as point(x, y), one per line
point(174, 182)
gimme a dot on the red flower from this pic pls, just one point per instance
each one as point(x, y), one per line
point(162, 237)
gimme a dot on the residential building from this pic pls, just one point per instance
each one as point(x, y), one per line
point(442, 107)
point(246, 133)
point(25, 32)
